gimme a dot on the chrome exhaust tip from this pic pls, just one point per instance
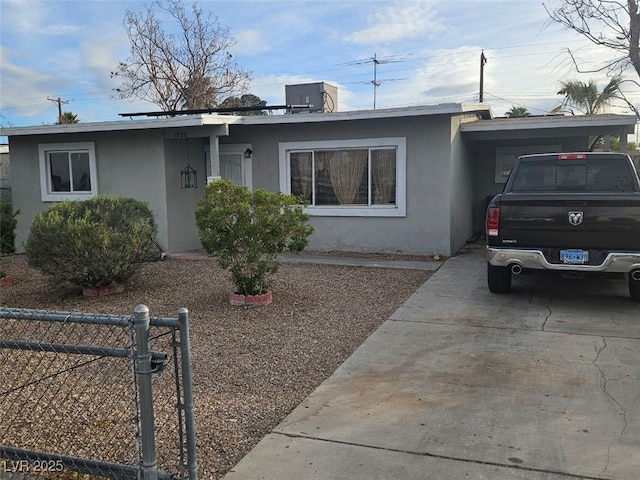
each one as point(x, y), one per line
point(635, 274)
point(516, 269)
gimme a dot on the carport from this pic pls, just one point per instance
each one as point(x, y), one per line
point(495, 144)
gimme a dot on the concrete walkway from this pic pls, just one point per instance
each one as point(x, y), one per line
point(347, 260)
point(542, 384)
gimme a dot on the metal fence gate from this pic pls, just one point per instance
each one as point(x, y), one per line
point(95, 396)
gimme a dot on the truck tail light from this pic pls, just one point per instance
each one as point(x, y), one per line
point(572, 156)
point(493, 221)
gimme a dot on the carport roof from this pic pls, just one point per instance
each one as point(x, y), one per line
point(549, 126)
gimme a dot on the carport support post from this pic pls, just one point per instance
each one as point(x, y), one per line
point(143, 371)
point(185, 361)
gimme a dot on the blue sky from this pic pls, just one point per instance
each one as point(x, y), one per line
point(66, 49)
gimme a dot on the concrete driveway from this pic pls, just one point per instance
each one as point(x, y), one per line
point(541, 383)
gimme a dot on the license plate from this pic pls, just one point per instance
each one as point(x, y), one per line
point(574, 256)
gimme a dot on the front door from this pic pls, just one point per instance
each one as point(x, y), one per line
point(235, 163)
point(231, 167)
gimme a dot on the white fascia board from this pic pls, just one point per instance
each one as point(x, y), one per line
point(441, 109)
point(531, 123)
point(120, 125)
point(207, 119)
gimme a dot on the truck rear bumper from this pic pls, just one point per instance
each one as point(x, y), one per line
point(534, 259)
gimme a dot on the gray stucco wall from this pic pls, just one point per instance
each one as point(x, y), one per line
point(129, 163)
point(483, 155)
point(25, 177)
point(182, 232)
point(448, 178)
point(425, 229)
point(462, 188)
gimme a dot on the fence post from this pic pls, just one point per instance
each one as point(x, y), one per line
point(185, 362)
point(143, 364)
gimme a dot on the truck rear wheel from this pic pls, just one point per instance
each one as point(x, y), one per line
point(634, 289)
point(498, 279)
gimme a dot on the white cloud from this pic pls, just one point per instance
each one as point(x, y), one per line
point(27, 17)
point(24, 89)
point(289, 42)
point(60, 29)
point(398, 21)
point(250, 41)
point(451, 75)
point(98, 60)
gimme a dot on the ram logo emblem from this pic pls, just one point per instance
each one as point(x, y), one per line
point(575, 218)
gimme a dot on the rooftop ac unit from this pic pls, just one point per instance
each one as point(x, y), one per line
point(316, 97)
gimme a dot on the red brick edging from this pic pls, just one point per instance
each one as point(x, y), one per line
point(251, 300)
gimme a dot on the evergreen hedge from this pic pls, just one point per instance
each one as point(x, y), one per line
point(92, 243)
point(8, 225)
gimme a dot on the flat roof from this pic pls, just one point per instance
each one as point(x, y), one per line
point(481, 109)
point(549, 121)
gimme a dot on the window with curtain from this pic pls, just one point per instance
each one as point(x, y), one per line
point(345, 177)
point(364, 177)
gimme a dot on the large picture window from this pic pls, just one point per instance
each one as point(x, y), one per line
point(67, 171)
point(357, 177)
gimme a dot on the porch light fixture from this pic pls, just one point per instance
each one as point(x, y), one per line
point(188, 177)
point(247, 153)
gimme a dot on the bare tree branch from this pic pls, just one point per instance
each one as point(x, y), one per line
point(609, 23)
point(191, 70)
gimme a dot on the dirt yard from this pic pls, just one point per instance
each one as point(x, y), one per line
point(251, 367)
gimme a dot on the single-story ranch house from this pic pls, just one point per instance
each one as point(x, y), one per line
point(410, 180)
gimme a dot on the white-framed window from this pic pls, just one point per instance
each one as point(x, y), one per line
point(67, 171)
point(363, 177)
point(506, 157)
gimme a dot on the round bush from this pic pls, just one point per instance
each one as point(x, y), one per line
point(247, 230)
point(91, 243)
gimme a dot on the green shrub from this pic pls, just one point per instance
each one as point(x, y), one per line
point(92, 243)
point(8, 225)
point(247, 230)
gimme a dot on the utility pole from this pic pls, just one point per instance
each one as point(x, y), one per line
point(483, 60)
point(59, 102)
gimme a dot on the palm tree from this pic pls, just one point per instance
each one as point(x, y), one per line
point(68, 118)
point(586, 98)
point(518, 112)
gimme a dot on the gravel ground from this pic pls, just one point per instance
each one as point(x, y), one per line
point(251, 367)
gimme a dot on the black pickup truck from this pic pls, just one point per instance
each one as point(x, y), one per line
point(575, 213)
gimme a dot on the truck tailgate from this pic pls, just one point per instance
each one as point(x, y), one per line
point(603, 221)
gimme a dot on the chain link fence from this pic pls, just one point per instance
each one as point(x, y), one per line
point(95, 396)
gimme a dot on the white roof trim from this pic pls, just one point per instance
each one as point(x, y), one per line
point(152, 123)
point(441, 109)
point(209, 119)
point(547, 122)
